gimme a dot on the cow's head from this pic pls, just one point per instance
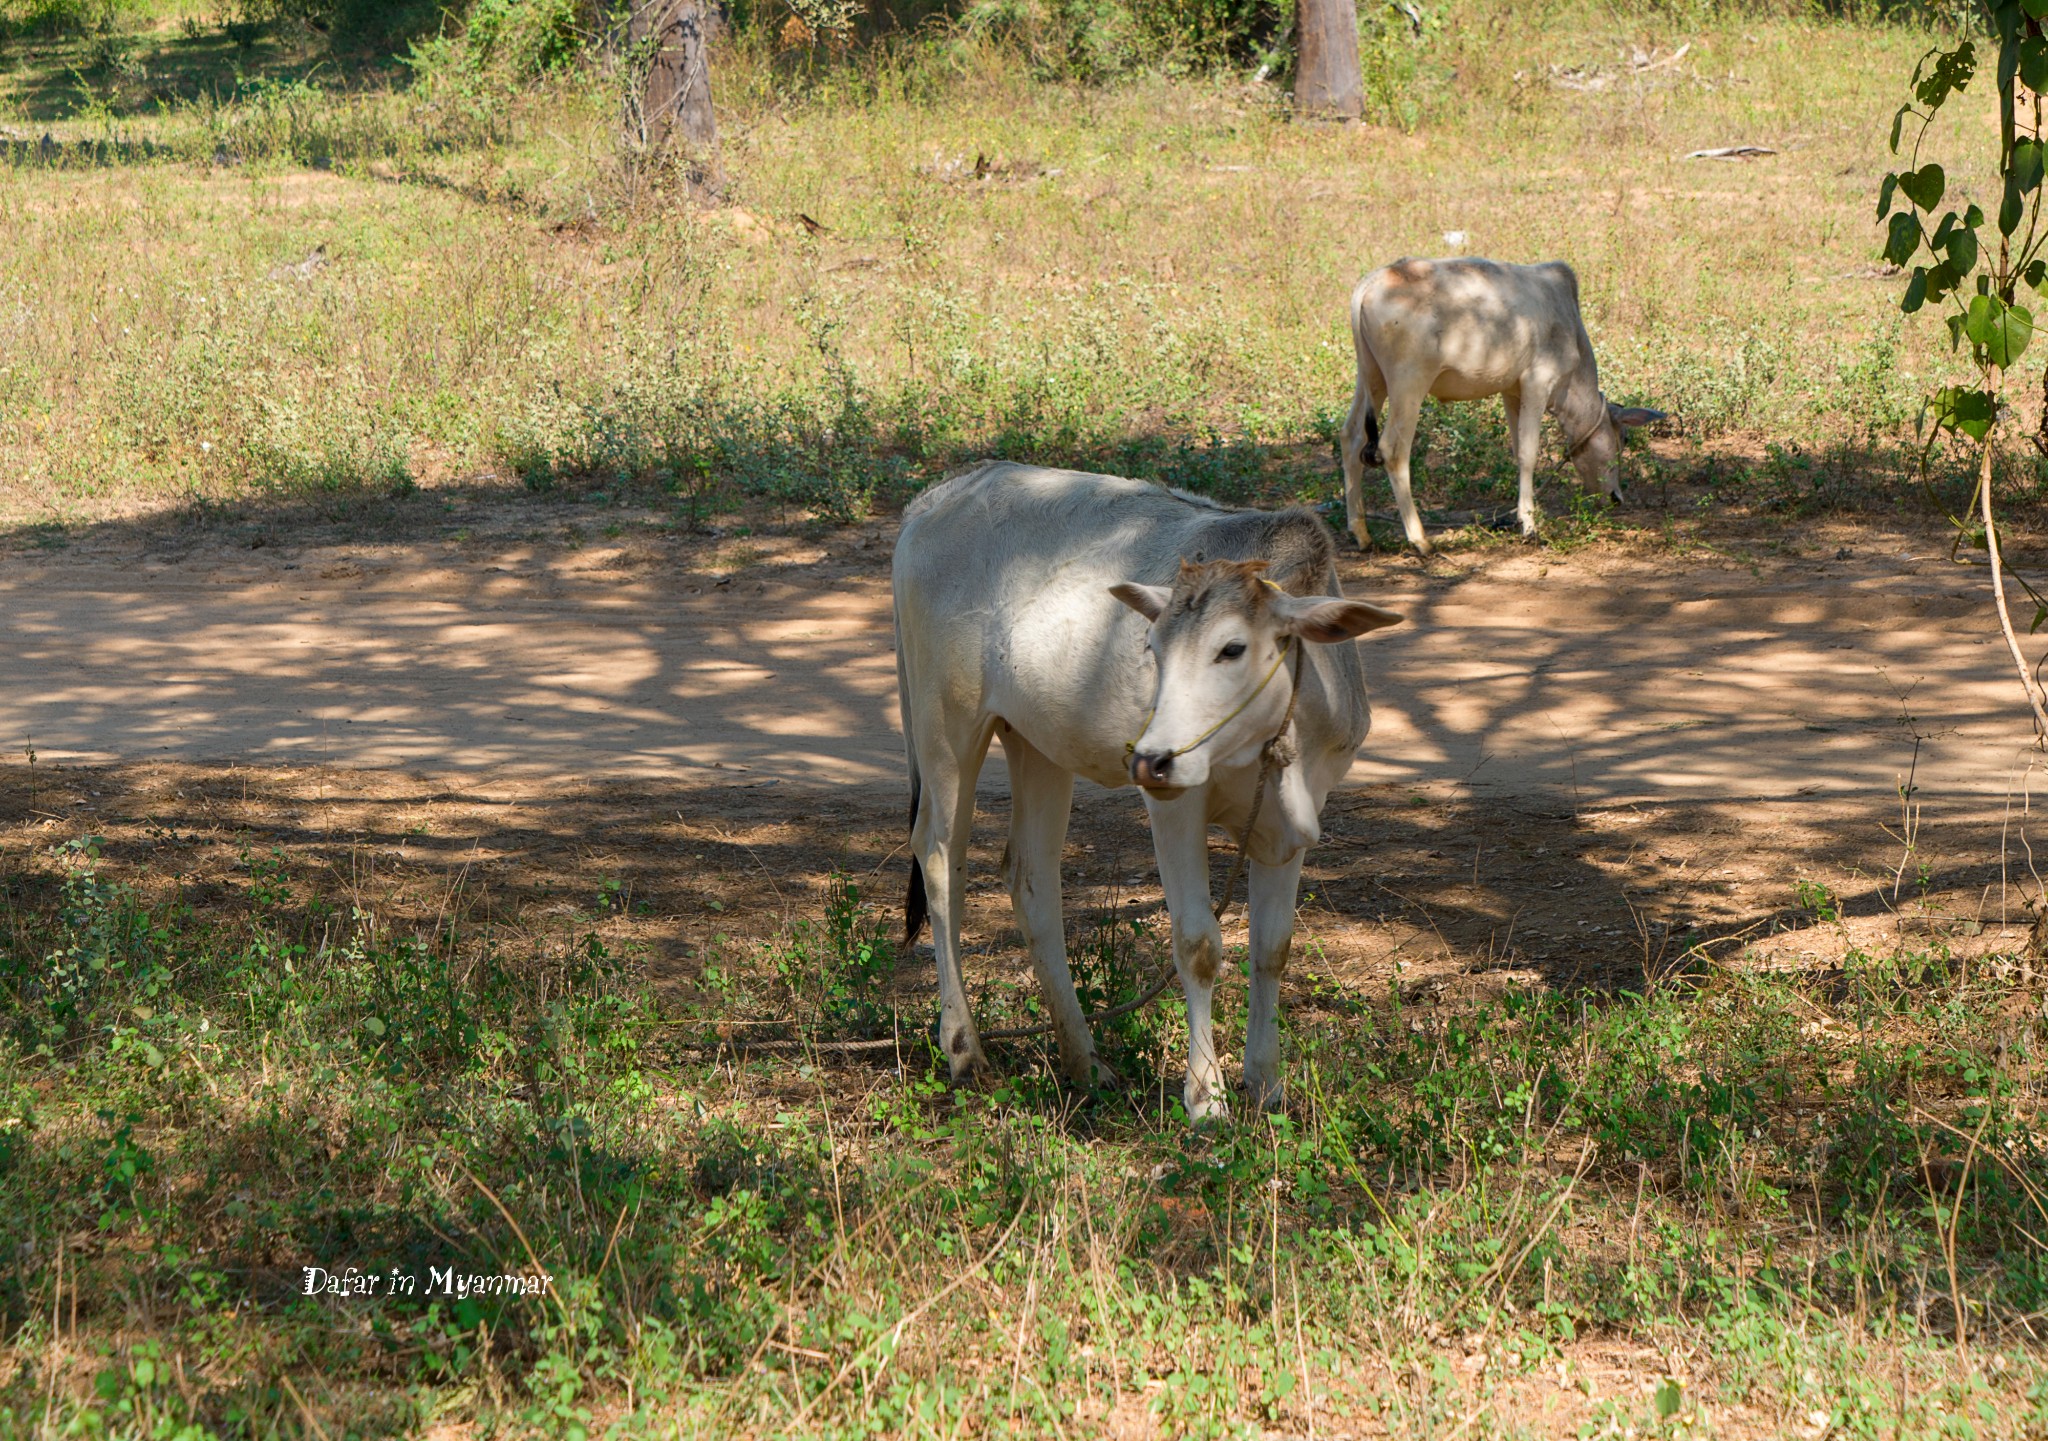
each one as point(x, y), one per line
point(1598, 455)
point(1221, 637)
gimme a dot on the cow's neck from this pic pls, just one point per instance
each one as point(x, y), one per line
point(1289, 821)
point(1578, 404)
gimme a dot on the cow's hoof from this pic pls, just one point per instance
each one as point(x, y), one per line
point(1094, 1079)
point(1268, 1096)
point(1205, 1107)
point(970, 1069)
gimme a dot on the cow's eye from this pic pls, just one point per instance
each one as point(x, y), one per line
point(1231, 651)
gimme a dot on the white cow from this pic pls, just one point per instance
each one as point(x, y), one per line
point(1463, 330)
point(1023, 598)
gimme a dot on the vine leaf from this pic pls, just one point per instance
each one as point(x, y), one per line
point(2034, 58)
point(1952, 71)
point(1925, 186)
point(1962, 251)
point(1902, 239)
point(2027, 163)
point(1963, 409)
point(1916, 291)
point(1999, 330)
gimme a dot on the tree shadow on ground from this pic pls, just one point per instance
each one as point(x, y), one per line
point(1448, 898)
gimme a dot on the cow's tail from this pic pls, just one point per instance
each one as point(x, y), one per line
point(915, 906)
point(1361, 399)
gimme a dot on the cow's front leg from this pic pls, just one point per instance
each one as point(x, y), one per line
point(1180, 835)
point(1272, 893)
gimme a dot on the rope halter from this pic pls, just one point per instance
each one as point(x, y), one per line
point(1572, 448)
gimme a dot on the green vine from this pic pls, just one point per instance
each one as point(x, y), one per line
point(1974, 275)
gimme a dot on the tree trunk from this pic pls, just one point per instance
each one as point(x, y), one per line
point(669, 43)
point(1327, 83)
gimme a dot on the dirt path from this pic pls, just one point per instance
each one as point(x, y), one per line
point(1581, 764)
point(1568, 680)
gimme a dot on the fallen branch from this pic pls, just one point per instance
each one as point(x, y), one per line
point(1731, 152)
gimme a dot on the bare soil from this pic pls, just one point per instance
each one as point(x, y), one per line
point(1582, 764)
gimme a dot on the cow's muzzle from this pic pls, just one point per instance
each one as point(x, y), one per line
point(1152, 769)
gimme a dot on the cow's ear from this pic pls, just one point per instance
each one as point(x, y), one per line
point(1329, 620)
point(1631, 415)
point(1146, 600)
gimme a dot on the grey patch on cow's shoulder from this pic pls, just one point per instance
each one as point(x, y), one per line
point(925, 500)
point(1201, 502)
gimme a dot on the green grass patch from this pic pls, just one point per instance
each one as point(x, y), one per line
point(1779, 1195)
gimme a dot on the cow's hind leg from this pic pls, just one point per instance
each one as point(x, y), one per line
point(1180, 835)
point(1525, 433)
point(1397, 443)
point(1041, 797)
point(948, 763)
point(1360, 442)
point(1272, 891)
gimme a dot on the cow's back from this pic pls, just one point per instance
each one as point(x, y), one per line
point(1484, 319)
point(986, 548)
point(1002, 579)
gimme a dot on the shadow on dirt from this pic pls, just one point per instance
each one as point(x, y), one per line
point(1448, 898)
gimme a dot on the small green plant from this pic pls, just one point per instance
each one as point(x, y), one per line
point(1971, 265)
point(1816, 897)
point(1114, 963)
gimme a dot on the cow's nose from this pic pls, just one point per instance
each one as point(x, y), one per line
point(1151, 768)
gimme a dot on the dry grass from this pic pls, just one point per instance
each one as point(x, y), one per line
point(1149, 277)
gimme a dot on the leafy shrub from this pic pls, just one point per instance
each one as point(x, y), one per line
point(54, 17)
point(509, 41)
point(525, 37)
point(837, 970)
point(357, 23)
point(1720, 383)
point(104, 952)
point(1096, 39)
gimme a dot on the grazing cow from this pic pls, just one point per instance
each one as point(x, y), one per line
point(1027, 601)
point(1464, 330)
